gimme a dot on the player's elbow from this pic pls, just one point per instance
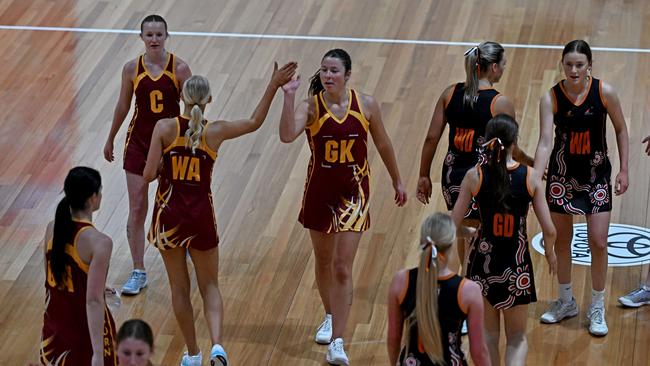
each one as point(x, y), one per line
point(95, 299)
point(287, 137)
point(148, 176)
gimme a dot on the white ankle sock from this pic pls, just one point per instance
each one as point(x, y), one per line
point(647, 288)
point(598, 298)
point(565, 291)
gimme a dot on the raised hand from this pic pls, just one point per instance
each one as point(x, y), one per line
point(291, 86)
point(284, 74)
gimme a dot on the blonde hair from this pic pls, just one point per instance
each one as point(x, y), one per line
point(437, 235)
point(478, 59)
point(196, 93)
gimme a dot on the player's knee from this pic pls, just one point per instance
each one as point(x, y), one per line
point(180, 291)
point(515, 339)
point(208, 286)
point(598, 244)
point(323, 263)
point(342, 272)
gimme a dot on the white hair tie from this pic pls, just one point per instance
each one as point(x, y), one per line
point(434, 250)
point(471, 50)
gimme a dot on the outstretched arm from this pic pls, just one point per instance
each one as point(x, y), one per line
point(293, 122)
point(281, 76)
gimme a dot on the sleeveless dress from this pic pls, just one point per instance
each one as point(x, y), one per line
point(337, 189)
point(65, 339)
point(451, 317)
point(579, 171)
point(499, 260)
point(183, 214)
point(155, 99)
point(466, 135)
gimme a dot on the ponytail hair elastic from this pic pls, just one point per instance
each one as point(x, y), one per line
point(474, 49)
point(430, 244)
point(434, 252)
point(494, 143)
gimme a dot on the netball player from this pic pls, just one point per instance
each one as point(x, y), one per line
point(434, 301)
point(466, 108)
point(155, 78)
point(337, 121)
point(183, 217)
point(579, 173)
point(500, 260)
point(78, 328)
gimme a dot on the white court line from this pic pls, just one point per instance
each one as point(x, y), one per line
point(313, 38)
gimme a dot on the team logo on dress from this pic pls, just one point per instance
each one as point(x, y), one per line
point(627, 245)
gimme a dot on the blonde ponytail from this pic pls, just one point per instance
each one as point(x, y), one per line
point(471, 81)
point(196, 93)
point(437, 235)
point(478, 60)
point(193, 133)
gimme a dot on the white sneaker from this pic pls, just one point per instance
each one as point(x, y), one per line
point(636, 298)
point(336, 354)
point(188, 360)
point(136, 282)
point(218, 356)
point(597, 323)
point(324, 331)
point(560, 310)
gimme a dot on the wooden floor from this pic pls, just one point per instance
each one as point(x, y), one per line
point(58, 91)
